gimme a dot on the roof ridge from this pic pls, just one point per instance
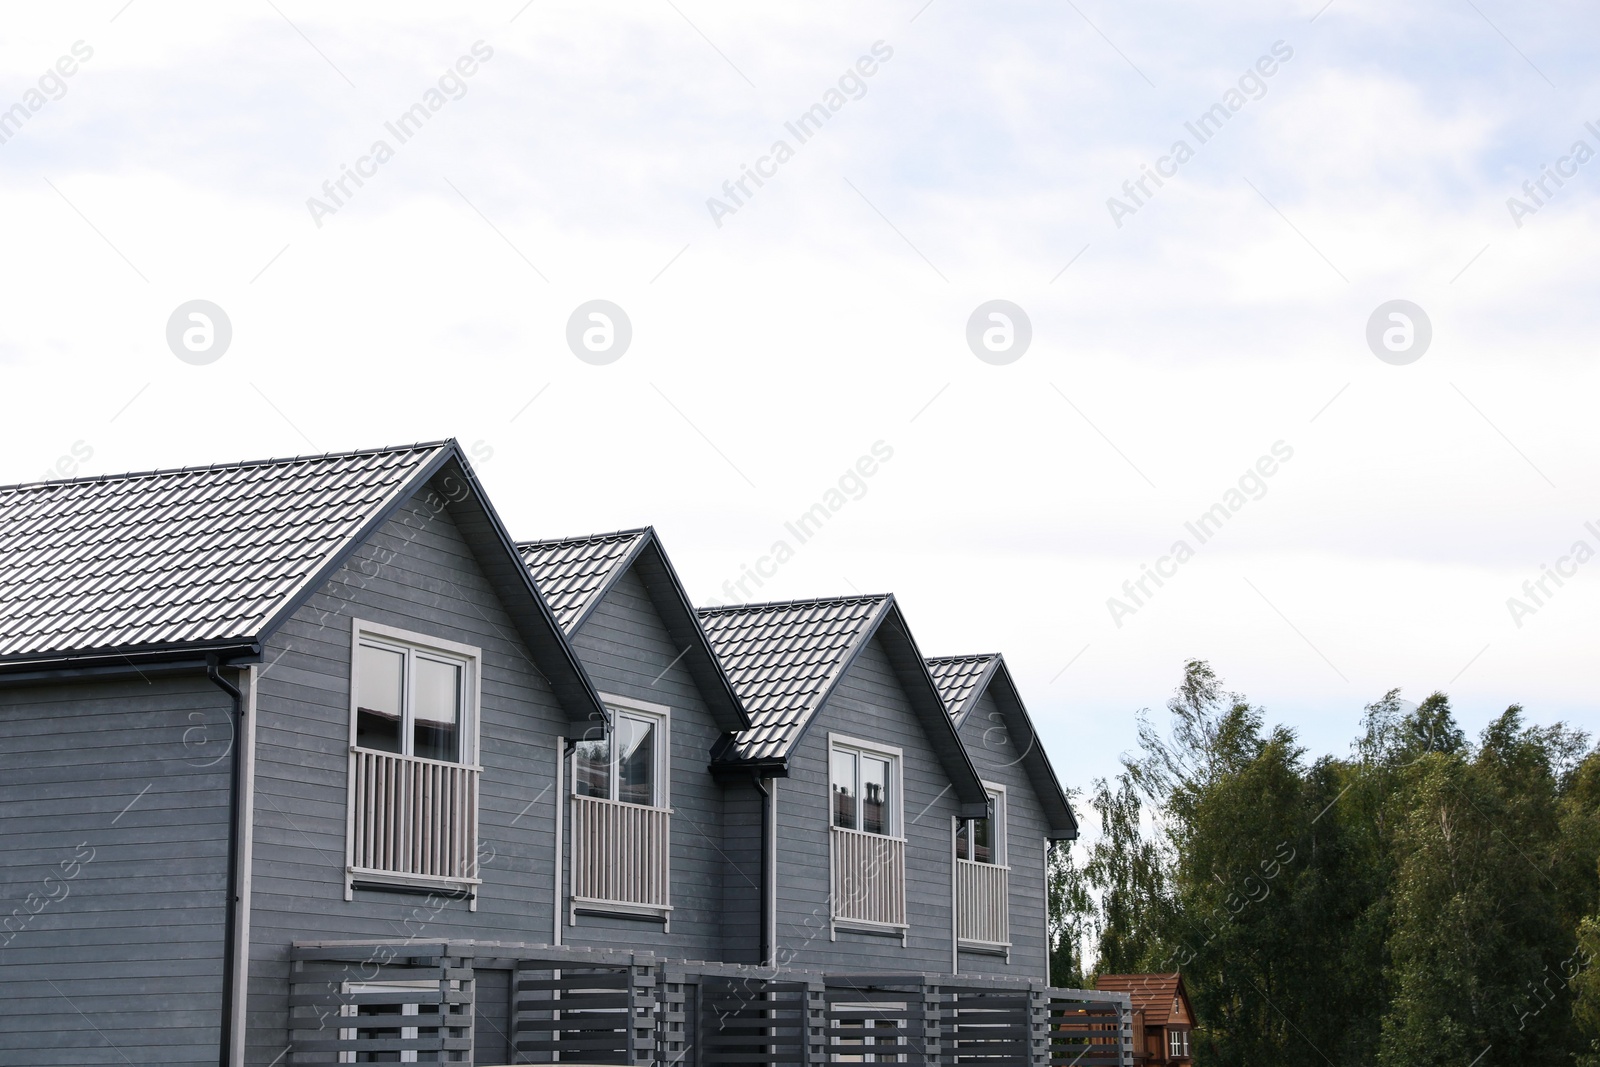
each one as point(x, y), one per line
point(544, 542)
point(233, 465)
point(859, 598)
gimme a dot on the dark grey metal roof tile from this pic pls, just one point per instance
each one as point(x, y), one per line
point(570, 571)
point(167, 557)
point(782, 658)
point(957, 677)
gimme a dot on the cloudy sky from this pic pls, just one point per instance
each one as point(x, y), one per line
point(782, 332)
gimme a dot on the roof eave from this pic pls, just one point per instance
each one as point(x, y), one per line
point(1063, 820)
point(703, 662)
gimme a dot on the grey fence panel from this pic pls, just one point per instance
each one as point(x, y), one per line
point(365, 1005)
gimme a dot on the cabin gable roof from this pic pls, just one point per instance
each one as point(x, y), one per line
point(962, 682)
point(786, 658)
point(576, 573)
point(210, 561)
point(1153, 995)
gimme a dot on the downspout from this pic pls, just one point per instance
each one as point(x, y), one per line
point(768, 844)
point(230, 990)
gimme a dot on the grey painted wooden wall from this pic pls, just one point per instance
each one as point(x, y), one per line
point(418, 574)
point(625, 647)
point(996, 754)
point(869, 704)
point(113, 859)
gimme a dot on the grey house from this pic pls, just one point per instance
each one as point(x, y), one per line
point(307, 761)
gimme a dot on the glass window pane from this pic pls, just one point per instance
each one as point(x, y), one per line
point(636, 760)
point(592, 775)
point(983, 840)
point(875, 818)
point(963, 840)
point(380, 679)
point(436, 710)
point(844, 790)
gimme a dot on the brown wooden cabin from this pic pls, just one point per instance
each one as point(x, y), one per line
point(1162, 1016)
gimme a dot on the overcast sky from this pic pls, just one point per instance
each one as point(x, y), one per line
point(781, 333)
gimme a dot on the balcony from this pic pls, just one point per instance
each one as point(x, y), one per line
point(620, 855)
point(869, 879)
point(413, 819)
point(983, 894)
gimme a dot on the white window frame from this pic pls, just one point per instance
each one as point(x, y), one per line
point(896, 798)
point(1177, 1044)
point(470, 657)
point(998, 806)
point(661, 717)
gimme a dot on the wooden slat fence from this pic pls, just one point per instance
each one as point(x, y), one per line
point(377, 1004)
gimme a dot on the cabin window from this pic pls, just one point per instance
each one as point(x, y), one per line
point(413, 753)
point(984, 840)
point(627, 764)
point(1177, 1043)
point(868, 851)
point(621, 819)
point(983, 881)
point(410, 700)
point(865, 790)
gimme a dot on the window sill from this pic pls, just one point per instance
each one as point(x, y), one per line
point(986, 948)
point(859, 926)
point(416, 884)
point(619, 909)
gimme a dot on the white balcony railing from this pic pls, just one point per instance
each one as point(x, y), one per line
point(869, 878)
point(619, 853)
point(983, 894)
point(414, 817)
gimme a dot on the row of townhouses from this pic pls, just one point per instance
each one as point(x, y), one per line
point(308, 761)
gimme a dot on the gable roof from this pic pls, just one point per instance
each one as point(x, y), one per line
point(190, 557)
point(960, 679)
point(962, 682)
point(576, 573)
point(786, 658)
point(1150, 993)
point(168, 564)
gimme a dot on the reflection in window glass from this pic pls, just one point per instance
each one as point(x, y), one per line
point(874, 795)
point(963, 839)
point(380, 681)
point(844, 790)
point(592, 774)
point(983, 840)
point(636, 756)
point(436, 710)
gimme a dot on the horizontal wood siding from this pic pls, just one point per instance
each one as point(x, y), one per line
point(113, 862)
point(991, 741)
point(418, 574)
point(741, 874)
point(625, 647)
point(869, 704)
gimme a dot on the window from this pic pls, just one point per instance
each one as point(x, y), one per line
point(984, 840)
point(621, 815)
point(626, 765)
point(983, 881)
point(868, 854)
point(410, 701)
point(865, 790)
point(1177, 1044)
point(413, 750)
